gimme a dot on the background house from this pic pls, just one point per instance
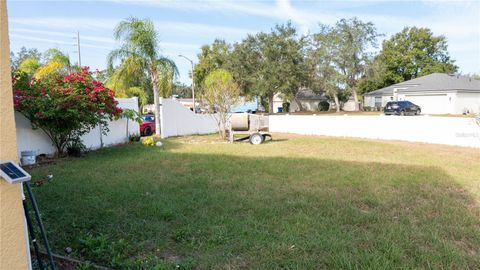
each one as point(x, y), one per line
point(305, 100)
point(436, 93)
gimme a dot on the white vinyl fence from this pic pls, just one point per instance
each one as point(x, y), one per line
point(36, 140)
point(428, 129)
point(176, 120)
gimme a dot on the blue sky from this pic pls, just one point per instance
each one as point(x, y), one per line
point(186, 25)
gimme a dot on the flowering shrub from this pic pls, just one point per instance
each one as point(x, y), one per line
point(149, 141)
point(65, 107)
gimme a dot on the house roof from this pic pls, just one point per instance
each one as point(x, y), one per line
point(432, 82)
point(308, 94)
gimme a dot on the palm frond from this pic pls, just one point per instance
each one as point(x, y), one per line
point(168, 64)
point(139, 36)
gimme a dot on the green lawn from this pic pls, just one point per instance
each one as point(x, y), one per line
point(294, 203)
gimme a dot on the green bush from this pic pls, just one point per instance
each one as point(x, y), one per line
point(104, 250)
point(75, 147)
point(324, 106)
point(134, 137)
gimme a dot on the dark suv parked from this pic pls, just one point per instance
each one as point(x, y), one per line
point(401, 108)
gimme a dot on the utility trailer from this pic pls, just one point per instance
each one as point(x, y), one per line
point(254, 126)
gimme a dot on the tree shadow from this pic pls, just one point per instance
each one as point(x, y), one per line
point(265, 212)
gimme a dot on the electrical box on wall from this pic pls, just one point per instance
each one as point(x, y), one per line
point(13, 173)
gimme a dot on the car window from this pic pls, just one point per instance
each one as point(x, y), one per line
point(148, 118)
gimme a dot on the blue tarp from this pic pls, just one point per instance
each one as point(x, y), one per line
point(246, 106)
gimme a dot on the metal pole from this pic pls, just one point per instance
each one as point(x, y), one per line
point(32, 236)
point(40, 224)
point(78, 47)
point(193, 90)
point(193, 82)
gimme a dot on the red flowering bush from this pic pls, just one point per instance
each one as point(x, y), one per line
point(65, 107)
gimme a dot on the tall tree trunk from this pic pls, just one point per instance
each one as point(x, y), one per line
point(299, 104)
point(337, 104)
point(156, 103)
point(355, 98)
point(270, 103)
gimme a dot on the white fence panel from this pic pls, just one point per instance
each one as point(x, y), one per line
point(440, 130)
point(118, 129)
point(29, 139)
point(176, 120)
point(38, 141)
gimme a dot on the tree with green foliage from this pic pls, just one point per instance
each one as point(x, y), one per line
point(129, 86)
point(269, 63)
point(182, 90)
point(323, 73)
point(353, 39)
point(409, 54)
point(167, 75)
point(374, 77)
point(38, 65)
point(56, 55)
point(139, 55)
point(17, 58)
point(29, 66)
point(54, 61)
point(212, 57)
point(415, 52)
point(221, 92)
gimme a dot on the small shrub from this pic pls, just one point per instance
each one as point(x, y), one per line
point(75, 147)
point(323, 106)
point(115, 253)
point(134, 137)
point(182, 235)
point(368, 109)
point(167, 215)
point(286, 107)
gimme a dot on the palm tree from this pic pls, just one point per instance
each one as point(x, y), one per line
point(139, 54)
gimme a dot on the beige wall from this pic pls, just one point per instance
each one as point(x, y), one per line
point(13, 253)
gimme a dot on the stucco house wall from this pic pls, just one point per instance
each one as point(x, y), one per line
point(467, 102)
point(369, 101)
point(13, 235)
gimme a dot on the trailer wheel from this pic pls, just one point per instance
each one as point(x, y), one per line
point(256, 138)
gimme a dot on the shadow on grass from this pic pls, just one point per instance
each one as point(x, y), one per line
point(223, 211)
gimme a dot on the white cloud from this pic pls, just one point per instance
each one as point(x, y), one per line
point(89, 24)
point(72, 23)
point(459, 21)
point(62, 34)
point(56, 42)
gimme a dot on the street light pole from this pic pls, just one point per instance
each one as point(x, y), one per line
point(193, 82)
